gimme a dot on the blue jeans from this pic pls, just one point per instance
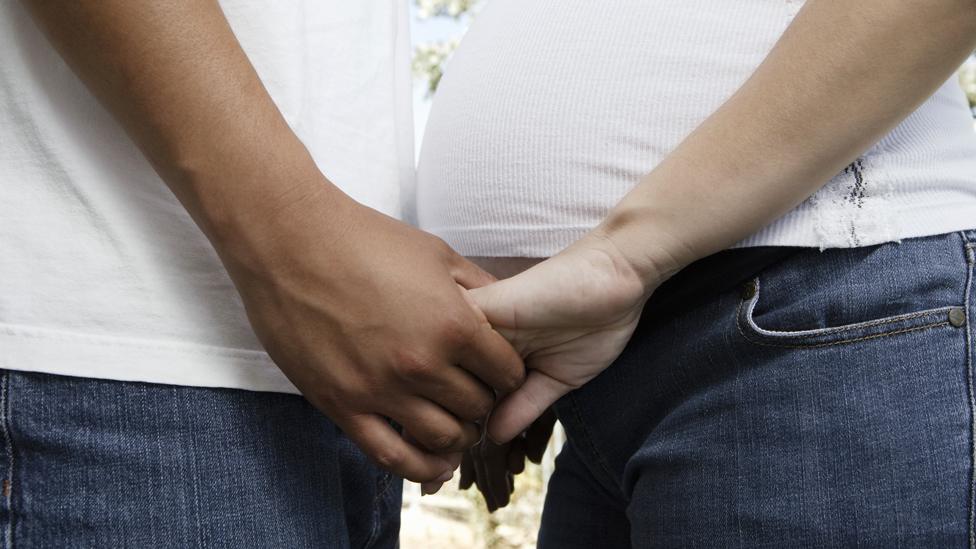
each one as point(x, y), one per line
point(826, 403)
point(92, 463)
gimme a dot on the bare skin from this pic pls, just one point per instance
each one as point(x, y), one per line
point(367, 316)
point(493, 467)
point(781, 137)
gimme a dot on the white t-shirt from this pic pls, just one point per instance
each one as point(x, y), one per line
point(102, 273)
point(551, 111)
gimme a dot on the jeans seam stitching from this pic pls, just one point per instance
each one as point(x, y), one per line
point(760, 337)
point(848, 327)
point(374, 529)
point(8, 533)
point(589, 439)
point(194, 473)
point(752, 339)
point(970, 274)
point(384, 488)
point(374, 523)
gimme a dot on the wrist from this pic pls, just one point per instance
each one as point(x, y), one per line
point(643, 242)
point(260, 220)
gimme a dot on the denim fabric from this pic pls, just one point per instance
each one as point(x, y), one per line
point(93, 463)
point(826, 403)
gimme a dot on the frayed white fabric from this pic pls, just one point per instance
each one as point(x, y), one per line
point(550, 111)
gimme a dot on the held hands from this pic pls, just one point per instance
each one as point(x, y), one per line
point(493, 467)
point(569, 317)
point(379, 320)
point(372, 322)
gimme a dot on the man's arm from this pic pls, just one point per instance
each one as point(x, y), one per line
point(363, 313)
point(843, 74)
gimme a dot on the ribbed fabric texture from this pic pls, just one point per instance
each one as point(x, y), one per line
point(550, 111)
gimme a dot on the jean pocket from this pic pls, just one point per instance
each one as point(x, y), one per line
point(751, 328)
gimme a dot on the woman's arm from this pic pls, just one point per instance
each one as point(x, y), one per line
point(842, 75)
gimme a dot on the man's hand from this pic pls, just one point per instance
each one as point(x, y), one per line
point(369, 319)
point(493, 467)
point(570, 317)
point(364, 314)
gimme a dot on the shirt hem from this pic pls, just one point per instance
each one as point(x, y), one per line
point(796, 229)
point(49, 351)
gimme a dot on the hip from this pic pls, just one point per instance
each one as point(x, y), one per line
point(827, 401)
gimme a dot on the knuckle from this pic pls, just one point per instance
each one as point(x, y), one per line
point(389, 458)
point(457, 332)
point(481, 406)
point(328, 401)
point(342, 400)
point(440, 249)
point(446, 441)
point(442, 246)
point(413, 365)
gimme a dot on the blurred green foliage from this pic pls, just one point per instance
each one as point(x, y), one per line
point(430, 58)
point(967, 78)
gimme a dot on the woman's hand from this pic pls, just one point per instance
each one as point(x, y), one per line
point(777, 140)
point(569, 317)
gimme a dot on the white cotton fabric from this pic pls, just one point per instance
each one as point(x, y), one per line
point(102, 272)
point(550, 111)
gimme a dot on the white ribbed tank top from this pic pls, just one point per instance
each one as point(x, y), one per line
point(551, 110)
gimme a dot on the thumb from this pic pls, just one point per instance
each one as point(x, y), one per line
point(491, 302)
point(516, 412)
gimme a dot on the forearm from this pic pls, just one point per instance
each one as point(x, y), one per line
point(841, 77)
point(176, 78)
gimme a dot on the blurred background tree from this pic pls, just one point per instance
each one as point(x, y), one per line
point(967, 77)
point(455, 518)
point(429, 58)
point(449, 8)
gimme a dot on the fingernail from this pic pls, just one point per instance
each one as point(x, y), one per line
point(446, 476)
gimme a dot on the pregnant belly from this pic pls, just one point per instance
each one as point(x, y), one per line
point(551, 111)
